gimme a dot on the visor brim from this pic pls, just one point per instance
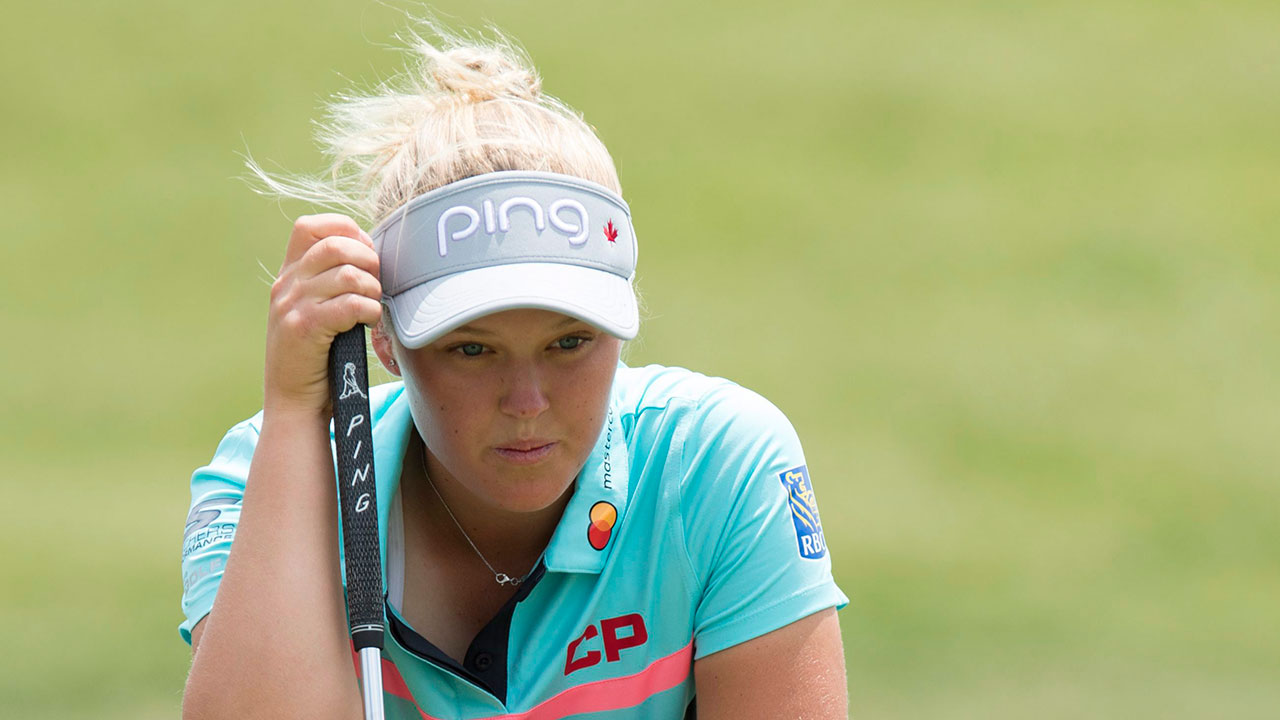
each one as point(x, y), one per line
point(426, 312)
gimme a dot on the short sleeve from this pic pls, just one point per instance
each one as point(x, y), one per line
point(751, 524)
point(216, 492)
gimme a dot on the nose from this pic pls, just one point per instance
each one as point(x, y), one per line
point(523, 396)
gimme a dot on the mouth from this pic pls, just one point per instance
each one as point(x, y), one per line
point(526, 453)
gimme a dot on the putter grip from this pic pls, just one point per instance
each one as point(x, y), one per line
point(357, 488)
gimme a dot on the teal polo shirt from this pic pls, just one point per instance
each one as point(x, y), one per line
point(693, 527)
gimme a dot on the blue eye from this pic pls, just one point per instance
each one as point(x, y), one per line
point(471, 349)
point(570, 343)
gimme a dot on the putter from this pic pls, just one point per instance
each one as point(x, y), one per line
point(358, 501)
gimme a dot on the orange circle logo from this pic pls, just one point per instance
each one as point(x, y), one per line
point(603, 517)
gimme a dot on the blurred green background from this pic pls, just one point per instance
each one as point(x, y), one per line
point(1011, 269)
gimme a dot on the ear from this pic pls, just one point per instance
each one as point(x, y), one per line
point(383, 346)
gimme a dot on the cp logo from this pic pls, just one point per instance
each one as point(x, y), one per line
point(613, 644)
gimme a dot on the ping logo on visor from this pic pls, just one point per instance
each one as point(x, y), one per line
point(804, 513)
point(567, 216)
point(505, 217)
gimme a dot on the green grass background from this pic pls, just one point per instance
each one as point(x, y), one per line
point(1011, 268)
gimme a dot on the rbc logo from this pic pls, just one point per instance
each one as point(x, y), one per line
point(613, 644)
point(804, 513)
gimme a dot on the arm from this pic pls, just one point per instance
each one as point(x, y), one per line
point(796, 671)
point(766, 636)
point(274, 644)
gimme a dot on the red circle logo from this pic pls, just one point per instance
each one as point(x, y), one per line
point(603, 517)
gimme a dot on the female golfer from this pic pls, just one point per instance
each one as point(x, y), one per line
point(562, 535)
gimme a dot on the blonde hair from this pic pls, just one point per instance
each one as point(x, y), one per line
point(468, 106)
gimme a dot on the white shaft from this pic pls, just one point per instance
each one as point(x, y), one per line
point(371, 674)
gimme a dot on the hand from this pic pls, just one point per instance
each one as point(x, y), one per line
point(327, 283)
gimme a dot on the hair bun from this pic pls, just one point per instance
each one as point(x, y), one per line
point(463, 106)
point(480, 74)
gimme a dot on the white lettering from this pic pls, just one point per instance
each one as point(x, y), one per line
point(362, 504)
point(356, 454)
point(360, 475)
point(489, 225)
point(577, 233)
point(567, 216)
point(812, 544)
point(356, 421)
point(504, 213)
point(607, 480)
point(442, 227)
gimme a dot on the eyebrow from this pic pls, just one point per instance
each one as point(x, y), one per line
point(567, 321)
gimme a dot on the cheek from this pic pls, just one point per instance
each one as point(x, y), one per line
point(443, 413)
point(590, 390)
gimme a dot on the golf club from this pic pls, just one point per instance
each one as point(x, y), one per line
point(358, 498)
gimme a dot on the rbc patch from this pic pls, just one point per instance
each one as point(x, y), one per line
point(804, 513)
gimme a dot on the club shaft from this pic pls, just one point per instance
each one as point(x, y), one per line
point(371, 680)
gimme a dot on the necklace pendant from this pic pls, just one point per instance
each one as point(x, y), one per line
point(505, 579)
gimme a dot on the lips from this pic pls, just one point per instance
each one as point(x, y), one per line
point(526, 452)
point(526, 444)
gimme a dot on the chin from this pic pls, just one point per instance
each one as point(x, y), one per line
point(533, 494)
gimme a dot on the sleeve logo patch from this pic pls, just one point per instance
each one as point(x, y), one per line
point(804, 513)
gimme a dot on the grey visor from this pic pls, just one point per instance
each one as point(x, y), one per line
point(506, 240)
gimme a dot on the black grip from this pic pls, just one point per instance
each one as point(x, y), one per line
point(357, 488)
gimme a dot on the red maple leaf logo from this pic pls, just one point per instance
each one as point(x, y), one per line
point(610, 232)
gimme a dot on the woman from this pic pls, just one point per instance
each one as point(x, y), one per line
point(561, 534)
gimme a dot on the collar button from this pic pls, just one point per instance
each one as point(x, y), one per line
point(482, 661)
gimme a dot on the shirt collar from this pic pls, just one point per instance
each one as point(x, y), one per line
point(390, 439)
point(589, 527)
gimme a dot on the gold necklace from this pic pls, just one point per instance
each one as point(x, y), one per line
point(498, 577)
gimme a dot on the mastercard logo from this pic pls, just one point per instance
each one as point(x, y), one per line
point(603, 517)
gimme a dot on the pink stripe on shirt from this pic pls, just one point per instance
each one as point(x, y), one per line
point(599, 696)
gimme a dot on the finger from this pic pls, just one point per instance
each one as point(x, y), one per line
point(334, 251)
point(341, 313)
point(310, 229)
point(342, 280)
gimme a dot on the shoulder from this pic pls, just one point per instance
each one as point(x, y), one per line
point(660, 387)
point(703, 410)
point(731, 468)
point(656, 386)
